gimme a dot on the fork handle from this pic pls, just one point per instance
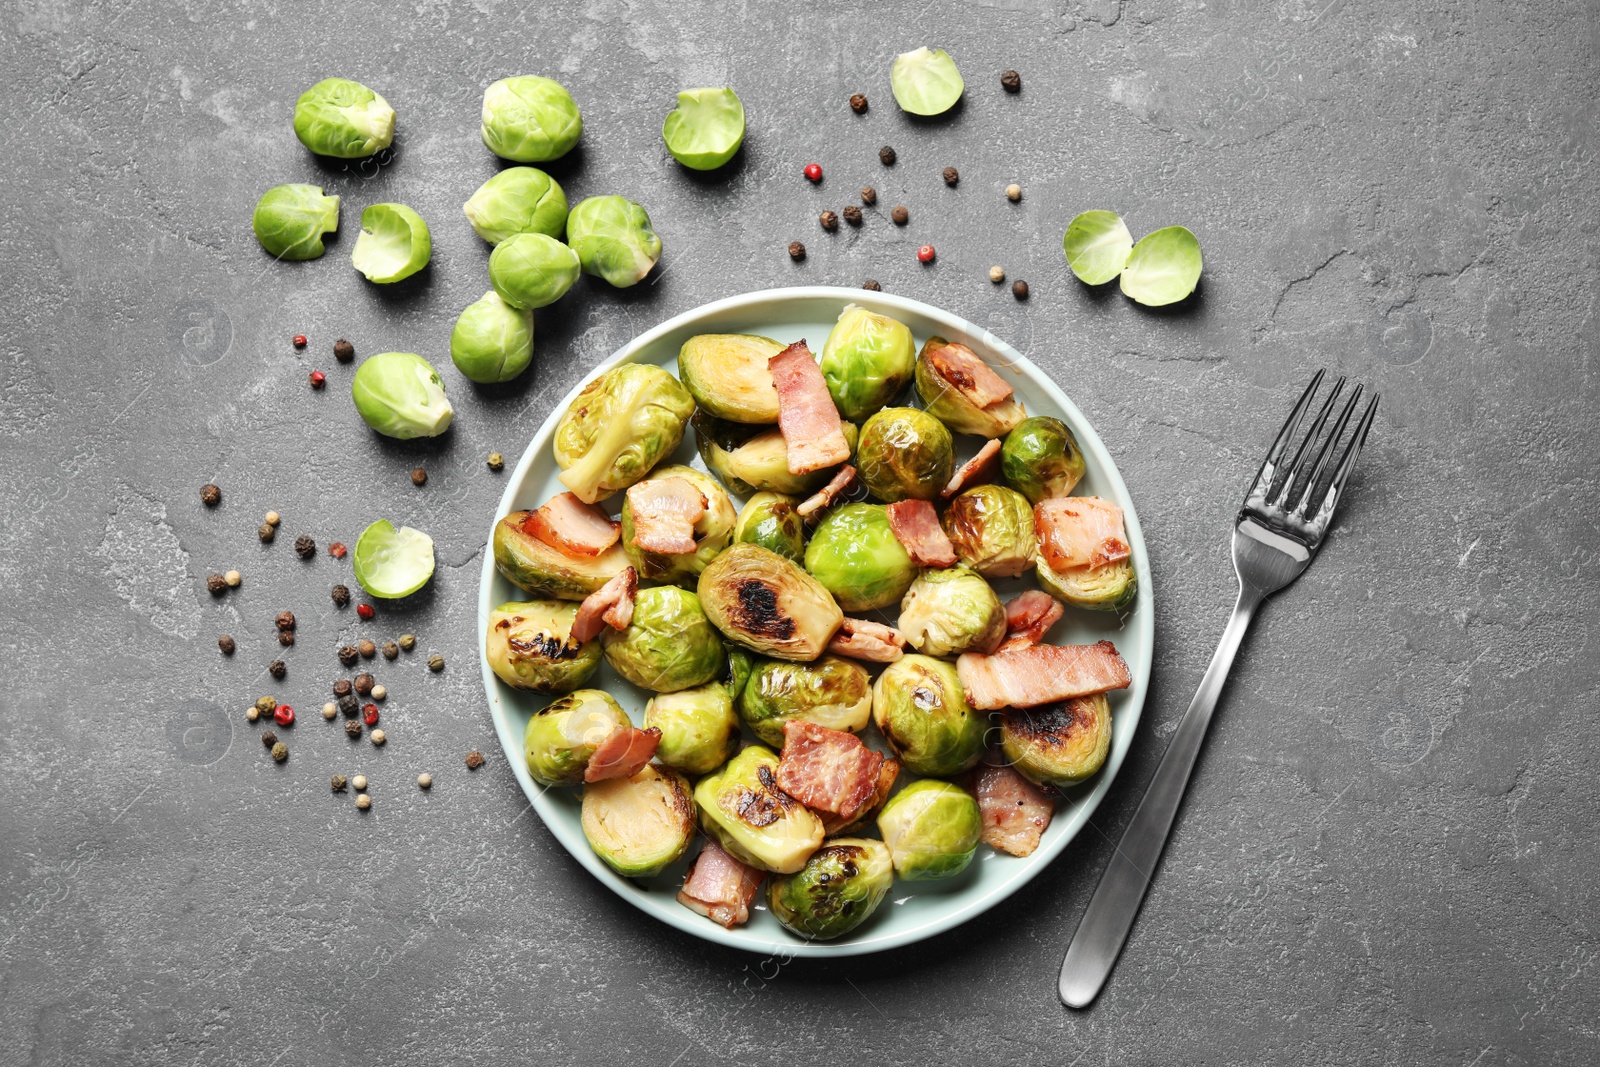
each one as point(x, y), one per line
point(1116, 900)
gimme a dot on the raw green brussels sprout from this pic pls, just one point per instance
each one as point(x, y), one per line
point(530, 119)
point(343, 119)
point(1041, 458)
point(705, 129)
point(947, 405)
point(492, 341)
point(517, 200)
point(394, 244)
point(622, 424)
point(931, 830)
point(562, 736)
point(755, 821)
point(613, 239)
point(857, 558)
point(532, 270)
point(290, 220)
point(1163, 268)
point(925, 82)
point(639, 825)
point(867, 361)
point(921, 710)
point(991, 528)
point(727, 375)
point(831, 692)
point(764, 602)
point(1109, 588)
point(713, 532)
point(1058, 744)
point(699, 730)
point(771, 521)
point(751, 459)
point(904, 454)
point(670, 645)
point(950, 611)
point(400, 395)
point(530, 646)
point(842, 883)
point(530, 564)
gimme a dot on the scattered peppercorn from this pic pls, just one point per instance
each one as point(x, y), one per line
point(926, 254)
point(366, 611)
point(424, 780)
point(210, 495)
point(286, 638)
point(419, 476)
point(858, 103)
point(233, 578)
point(343, 350)
point(390, 650)
point(217, 584)
point(299, 340)
point(852, 215)
point(284, 621)
point(341, 688)
point(436, 663)
point(379, 737)
point(364, 683)
point(330, 710)
point(813, 172)
point(277, 668)
point(349, 705)
point(869, 195)
point(252, 713)
point(380, 692)
point(1019, 289)
point(341, 596)
point(339, 782)
point(347, 654)
point(886, 156)
point(269, 739)
point(797, 251)
point(225, 642)
point(872, 286)
point(363, 802)
point(318, 379)
point(496, 461)
point(272, 518)
point(997, 274)
point(829, 220)
point(951, 176)
point(368, 649)
point(900, 215)
point(283, 715)
point(359, 783)
point(369, 714)
point(265, 704)
point(408, 641)
point(1013, 192)
point(474, 760)
point(337, 550)
point(267, 532)
point(352, 729)
point(280, 752)
point(1011, 81)
point(305, 546)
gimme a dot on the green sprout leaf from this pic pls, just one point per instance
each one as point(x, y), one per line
point(1163, 268)
point(706, 128)
point(1097, 244)
point(392, 563)
point(394, 243)
point(290, 220)
point(926, 82)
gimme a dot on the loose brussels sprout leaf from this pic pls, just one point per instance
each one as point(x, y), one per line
point(530, 119)
point(931, 830)
point(670, 645)
point(1113, 587)
point(400, 395)
point(613, 239)
point(868, 361)
point(517, 200)
point(713, 532)
point(492, 341)
point(753, 459)
point(947, 404)
point(394, 244)
point(1163, 268)
point(831, 692)
point(727, 375)
point(765, 603)
point(755, 821)
point(343, 119)
point(532, 270)
point(951, 611)
point(290, 220)
point(543, 570)
point(618, 427)
point(842, 884)
point(904, 454)
point(924, 82)
point(1058, 745)
point(392, 563)
point(699, 729)
point(919, 707)
point(1097, 244)
point(857, 558)
point(740, 663)
point(530, 646)
point(705, 129)
point(991, 528)
point(1041, 458)
point(639, 825)
point(562, 736)
point(771, 521)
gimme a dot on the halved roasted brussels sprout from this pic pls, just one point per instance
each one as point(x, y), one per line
point(831, 692)
point(857, 558)
point(751, 459)
point(842, 884)
point(946, 403)
point(755, 821)
point(1041, 458)
point(867, 361)
point(699, 729)
point(639, 825)
point(931, 829)
point(771, 521)
point(921, 710)
point(528, 563)
point(562, 736)
point(905, 454)
point(727, 375)
point(1112, 587)
point(991, 528)
point(670, 645)
point(712, 531)
point(622, 424)
point(766, 603)
point(1058, 744)
point(530, 646)
point(950, 611)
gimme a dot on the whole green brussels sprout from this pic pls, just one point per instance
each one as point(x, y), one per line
point(727, 375)
point(832, 692)
point(492, 341)
point(713, 531)
point(867, 361)
point(905, 454)
point(764, 602)
point(517, 200)
point(920, 708)
point(530, 119)
point(1113, 587)
point(530, 646)
point(950, 611)
point(670, 645)
point(613, 239)
point(394, 244)
point(856, 556)
point(290, 220)
point(771, 521)
point(946, 403)
point(343, 119)
point(706, 128)
point(753, 459)
point(532, 270)
point(562, 736)
point(530, 564)
point(931, 829)
point(618, 427)
point(991, 528)
point(699, 729)
point(641, 825)
point(1041, 458)
point(842, 884)
point(755, 821)
point(1059, 744)
point(400, 395)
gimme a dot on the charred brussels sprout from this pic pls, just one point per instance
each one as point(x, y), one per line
point(343, 119)
point(755, 821)
point(945, 403)
point(831, 692)
point(670, 645)
point(532, 270)
point(752, 459)
point(1041, 458)
point(622, 424)
point(991, 528)
point(951, 611)
point(904, 454)
point(727, 375)
point(530, 646)
point(290, 220)
point(639, 825)
point(712, 532)
point(764, 602)
point(563, 735)
point(528, 563)
point(517, 200)
point(842, 884)
point(931, 830)
point(699, 730)
point(492, 341)
point(1058, 744)
point(921, 710)
point(613, 239)
point(1112, 587)
point(867, 361)
point(530, 119)
point(771, 521)
point(857, 558)
point(400, 395)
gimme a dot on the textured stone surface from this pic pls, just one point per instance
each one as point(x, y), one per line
point(1388, 853)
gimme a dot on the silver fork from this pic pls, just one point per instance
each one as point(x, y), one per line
point(1274, 538)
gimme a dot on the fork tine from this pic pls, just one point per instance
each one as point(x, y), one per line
point(1296, 465)
point(1347, 463)
point(1326, 453)
point(1269, 466)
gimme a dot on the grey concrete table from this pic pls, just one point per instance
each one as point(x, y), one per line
point(1388, 855)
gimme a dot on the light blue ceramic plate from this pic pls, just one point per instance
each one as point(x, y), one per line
point(913, 910)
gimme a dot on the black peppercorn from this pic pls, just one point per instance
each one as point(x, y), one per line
point(342, 687)
point(347, 654)
point(341, 596)
point(829, 220)
point(285, 638)
point(368, 649)
point(267, 532)
point(225, 642)
point(277, 668)
point(1011, 81)
point(284, 621)
point(349, 705)
point(869, 195)
point(797, 251)
point(474, 760)
point(900, 215)
point(352, 729)
point(858, 103)
point(390, 650)
point(305, 546)
point(210, 495)
point(872, 285)
point(269, 739)
point(364, 683)
point(216, 584)
point(951, 176)
point(343, 350)
point(419, 476)
point(886, 156)
point(1019, 290)
point(852, 215)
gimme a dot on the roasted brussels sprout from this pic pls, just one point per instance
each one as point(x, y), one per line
point(931, 829)
point(670, 645)
point(727, 375)
point(699, 729)
point(771, 521)
point(713, 531)
point(867, 361)
point(543, 570)
point(1112, 587)
point(1041, 458)
point(622, 424)
point(290, 220)
point(343, 119)
point(752, 459)
point(530, 646)
point(532, 270)
point(563, 735)
point(991, 528)
point(904, 454)
point(613, 239)
point(842, 884)
point(530, 119)
point(639, 825)
point(492, 341)
point(857, 558)
point(831, 692)
point(951, 611)
point(706, 128)
point(764, 602)
point(1058, 744)
point(400, 395)
point(517, 200)
point(945, 403)
point(919, 707)
point(394, 244)
point(755, 821)
point(741, 661)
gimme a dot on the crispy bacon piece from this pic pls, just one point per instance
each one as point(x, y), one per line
point(720, 887)
point(827, 770)
point(1015, 811)
point(825, 496)
point(868, 640)
point(664, 513)
point(610, 605)
point(1028, 677)
point(916, 526)
point(623, 754)
point(1029, 617)
point(807, 418)
point(1079, 531)
point(976, 471)
point(833, 824)
point(572, 527)
point(969, 375)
